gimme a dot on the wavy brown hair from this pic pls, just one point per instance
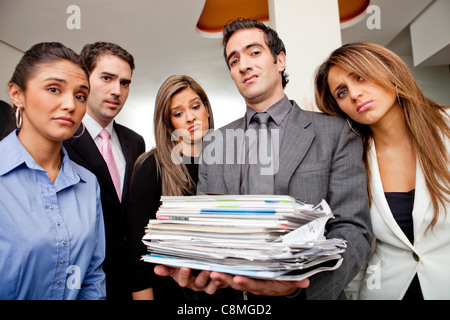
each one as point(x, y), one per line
point(175, 178)
point(426, 121)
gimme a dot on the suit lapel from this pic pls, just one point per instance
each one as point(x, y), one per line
point(422, 205)
point(296, 142)
point(379, 198)
point(127, 153)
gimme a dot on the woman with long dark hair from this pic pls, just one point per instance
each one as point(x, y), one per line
point(406, 140)
point(182, 117)
point(52, 238)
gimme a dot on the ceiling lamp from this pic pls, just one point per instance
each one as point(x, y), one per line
point(352, 11)
point(216, 13)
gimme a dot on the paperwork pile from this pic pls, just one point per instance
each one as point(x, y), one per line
point(266, 237)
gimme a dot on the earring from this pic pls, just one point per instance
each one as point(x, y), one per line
point(82, 131)
point(19, 118)
point(351, 127)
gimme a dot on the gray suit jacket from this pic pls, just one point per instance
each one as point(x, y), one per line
point(320, 158)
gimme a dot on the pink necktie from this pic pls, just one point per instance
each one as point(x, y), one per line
point(105, 150)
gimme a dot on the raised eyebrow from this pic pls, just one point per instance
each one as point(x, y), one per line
point(85, 88)
point(113, 75)
point(65, 82)
point(105, 73)
point(340, 85)
point(196, 98)
point(230, 56)
point(250, 45)
point(56, 79)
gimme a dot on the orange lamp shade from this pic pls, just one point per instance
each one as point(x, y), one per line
point(216, 13)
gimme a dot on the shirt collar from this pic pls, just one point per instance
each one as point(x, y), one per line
point(14, 155)
point(94, 128)
point(277, 111)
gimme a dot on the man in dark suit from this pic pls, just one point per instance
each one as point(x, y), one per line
point(110, 69)
point(7, 123)
point(315, 157)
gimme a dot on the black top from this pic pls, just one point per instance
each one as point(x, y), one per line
point(142, 205)
point(402, 204)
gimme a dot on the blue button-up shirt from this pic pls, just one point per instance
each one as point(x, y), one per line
point(52, 238)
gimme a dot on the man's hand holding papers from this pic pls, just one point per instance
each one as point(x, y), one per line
point(257, 286)
point(219, 280)
point(185, 279)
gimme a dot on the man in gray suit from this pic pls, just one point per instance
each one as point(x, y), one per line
point(315, 157)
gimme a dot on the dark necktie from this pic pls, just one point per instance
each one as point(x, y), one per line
point(260, 179)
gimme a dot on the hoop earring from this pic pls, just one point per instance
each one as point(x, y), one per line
point(82, 131)
point(351, 127)
point(19, 118)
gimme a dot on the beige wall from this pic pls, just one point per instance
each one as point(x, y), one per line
point(9, 59)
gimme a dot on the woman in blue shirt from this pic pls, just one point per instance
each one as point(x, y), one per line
point(52, 241)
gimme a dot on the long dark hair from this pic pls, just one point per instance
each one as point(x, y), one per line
point(175, 178)
point(427, 122)
point(42, 53)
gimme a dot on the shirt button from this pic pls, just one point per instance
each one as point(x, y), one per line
point(58, 283)
point(62, 262)
point(415, 257)
point(58, 223)
point(63, 242)
point(52, 207)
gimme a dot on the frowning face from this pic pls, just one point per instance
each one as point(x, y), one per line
point(110, 85)
point(362, 100)
point(189, 115)
point(252, 67)
point(54, 101)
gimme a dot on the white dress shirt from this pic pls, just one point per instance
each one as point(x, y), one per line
point(94, 128)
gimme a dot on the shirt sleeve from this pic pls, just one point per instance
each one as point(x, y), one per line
point(94, 285)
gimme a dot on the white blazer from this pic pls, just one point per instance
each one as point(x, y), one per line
point(396, 260)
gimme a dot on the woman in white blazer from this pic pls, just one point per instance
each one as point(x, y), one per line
point(407, 141)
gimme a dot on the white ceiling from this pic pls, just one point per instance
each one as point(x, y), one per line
point(162, 36)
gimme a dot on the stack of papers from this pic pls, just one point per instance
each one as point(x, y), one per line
point(265, 237)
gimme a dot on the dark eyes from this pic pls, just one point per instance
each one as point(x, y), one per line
point(53, 90)
point(253, 53)
point(81, 97)
point(179, 113)
point(109, 78)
